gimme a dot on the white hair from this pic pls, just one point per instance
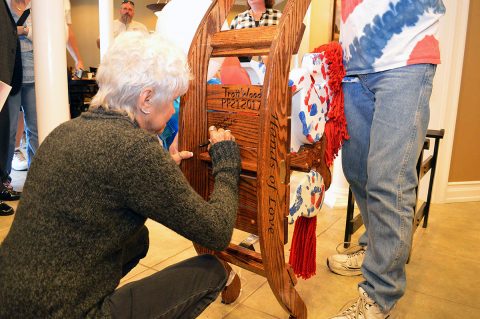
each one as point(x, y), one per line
point(137, 60)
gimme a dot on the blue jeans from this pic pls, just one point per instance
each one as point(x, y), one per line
point(387, 116)
point(25, 99)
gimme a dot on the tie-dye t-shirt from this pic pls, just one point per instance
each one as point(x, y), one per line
point(378, 35)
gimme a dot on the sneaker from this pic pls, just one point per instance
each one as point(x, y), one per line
point(347, 262)
point(19, 162)
point(362, 308)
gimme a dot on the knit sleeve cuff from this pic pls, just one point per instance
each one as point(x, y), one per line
point(225, 156)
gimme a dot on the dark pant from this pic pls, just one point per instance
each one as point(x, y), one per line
point(4, 143)
point(135, 249)
point(182, 290)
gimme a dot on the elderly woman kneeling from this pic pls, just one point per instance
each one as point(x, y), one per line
point(79, 227)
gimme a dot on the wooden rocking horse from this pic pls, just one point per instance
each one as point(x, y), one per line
point(259, 118)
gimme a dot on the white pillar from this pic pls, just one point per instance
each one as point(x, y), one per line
point(51, 87)
point(105, 16)
point(337, 194)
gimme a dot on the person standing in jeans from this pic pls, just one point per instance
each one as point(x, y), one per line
point(9, 57)
point(25, 98)
point(390, 55)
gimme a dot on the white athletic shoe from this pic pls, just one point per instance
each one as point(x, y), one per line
point(19, 162)
point(347, 262)
point(362, 308)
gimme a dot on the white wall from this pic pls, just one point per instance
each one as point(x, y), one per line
point(446, 88)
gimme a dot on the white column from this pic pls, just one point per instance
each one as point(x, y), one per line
point(105, 16)
point(51, 87)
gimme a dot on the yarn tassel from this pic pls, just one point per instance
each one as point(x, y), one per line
point(303, 249)
point(336, 125)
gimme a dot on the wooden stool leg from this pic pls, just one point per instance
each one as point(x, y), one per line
point(349, 222)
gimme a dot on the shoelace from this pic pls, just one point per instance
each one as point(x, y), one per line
point(356, 254)
point(364, 303)
point(352, 311)
point(353, 248)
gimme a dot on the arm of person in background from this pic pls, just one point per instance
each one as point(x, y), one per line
point(26, 28)
point(21, 30)
point(72, 48)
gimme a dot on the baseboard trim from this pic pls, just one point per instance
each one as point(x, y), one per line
point(463, 192)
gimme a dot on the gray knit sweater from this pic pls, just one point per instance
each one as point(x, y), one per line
point(93, 182)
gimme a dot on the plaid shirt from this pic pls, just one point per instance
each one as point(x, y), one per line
point(245, 19)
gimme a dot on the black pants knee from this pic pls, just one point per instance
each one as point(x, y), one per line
point(182, 290)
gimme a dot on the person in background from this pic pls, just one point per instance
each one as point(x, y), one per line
point(260, 13)
point(9, 62)
point(71, 242)
point(126, 22)
point(390, 54)
point(24, 98)
point(22, 153)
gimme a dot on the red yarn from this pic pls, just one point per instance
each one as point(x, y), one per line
point(304, 241)
point(303, 249)
point(336, 125)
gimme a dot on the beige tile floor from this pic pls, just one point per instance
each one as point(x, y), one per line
point(443, 276)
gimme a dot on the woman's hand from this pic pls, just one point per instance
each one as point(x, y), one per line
point(218, 135)
point(178, 156)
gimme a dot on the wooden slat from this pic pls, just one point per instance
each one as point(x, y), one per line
point(250, 42)
point(426, 166)
point(234, 98)
point(244, 127)
point(236, 107)
point(244, 258)
point(419, 215)
point(247, 203)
